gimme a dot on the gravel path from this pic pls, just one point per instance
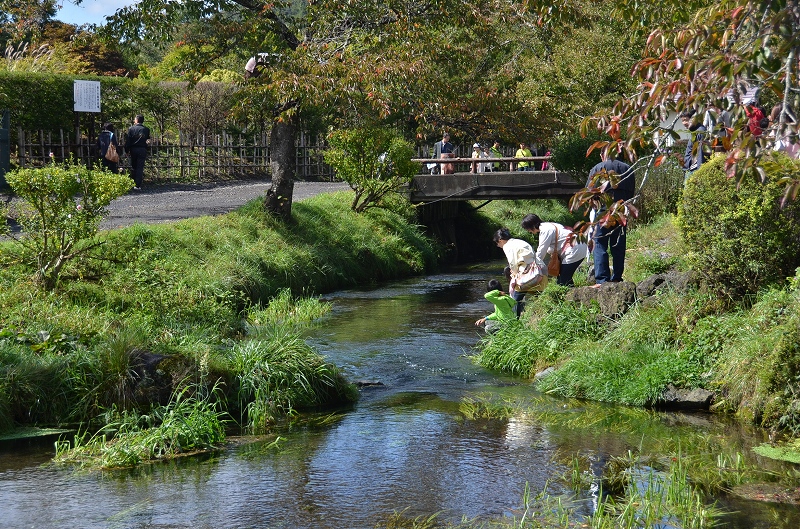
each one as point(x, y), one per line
point(183, 201)
point(164, 204)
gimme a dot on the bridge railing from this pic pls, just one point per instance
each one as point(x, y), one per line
point(476, 165)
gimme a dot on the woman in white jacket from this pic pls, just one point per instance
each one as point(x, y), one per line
point(519, 255)
point(555, 238)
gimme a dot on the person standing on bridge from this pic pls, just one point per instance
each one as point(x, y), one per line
point(444, 149)
point(495, 152)
point(136, 146)
point(523, 152)
point(559, 241)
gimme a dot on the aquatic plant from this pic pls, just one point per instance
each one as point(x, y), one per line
point(279, 374)
point(190, 422)
point(486, 406)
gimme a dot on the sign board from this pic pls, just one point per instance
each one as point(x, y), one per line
point(86, 96)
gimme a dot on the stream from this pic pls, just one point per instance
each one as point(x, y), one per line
point(404, 447)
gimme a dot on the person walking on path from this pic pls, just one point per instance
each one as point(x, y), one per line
point(136, 146)
point(104, 140)
point(613, 236)
point(503, 308)
point(557, 240)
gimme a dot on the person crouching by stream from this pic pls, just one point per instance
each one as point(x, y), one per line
point(558, 241)
point(503, 308)
point(522, 261)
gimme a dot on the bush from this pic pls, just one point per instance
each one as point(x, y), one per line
point(569, 154)
point(740, 239)
point(62, 209)
point(374, 161)
point(661, 191)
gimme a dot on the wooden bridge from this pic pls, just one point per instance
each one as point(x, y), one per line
point(495, 185)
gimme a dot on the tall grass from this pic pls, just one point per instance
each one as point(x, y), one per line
point(278, 374)
point(187, 424)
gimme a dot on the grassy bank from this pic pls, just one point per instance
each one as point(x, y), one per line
point(205, 302)
point(748, 356)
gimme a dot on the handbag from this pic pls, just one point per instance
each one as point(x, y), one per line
point(554, 264)
point(530, 277)
point(111, 153)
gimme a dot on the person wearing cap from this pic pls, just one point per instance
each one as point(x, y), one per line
point(476, 153)
point(523, 152)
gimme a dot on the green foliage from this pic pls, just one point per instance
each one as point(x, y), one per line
point(44, 101)
point(277, 374)
point(739, 237)
point(570, 150)
point(63, 206)
point(525, 349)
point(189, 423)
point(660, 190)
point(636, 376)
point(374, 161)
point(574, 72)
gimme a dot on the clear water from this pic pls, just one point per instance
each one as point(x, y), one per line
point(403, 447)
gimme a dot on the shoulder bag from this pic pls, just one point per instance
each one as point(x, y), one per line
point(111, 153)
point(531, 276)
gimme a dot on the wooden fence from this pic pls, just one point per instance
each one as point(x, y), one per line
point(195, 157)
point(189, 157)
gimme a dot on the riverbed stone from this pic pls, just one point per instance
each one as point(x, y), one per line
point(614, 298)
point(685, 399)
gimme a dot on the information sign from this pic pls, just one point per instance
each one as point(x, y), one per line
point(87, 96)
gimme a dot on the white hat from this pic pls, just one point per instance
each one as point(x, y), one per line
point(478, 145)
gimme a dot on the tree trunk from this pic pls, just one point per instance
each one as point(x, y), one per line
point(282, 164)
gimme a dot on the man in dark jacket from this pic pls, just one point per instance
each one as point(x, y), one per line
point(136, 146)
point(440, 148)
point(694, 155)
point(615, 236)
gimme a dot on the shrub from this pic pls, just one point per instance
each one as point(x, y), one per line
point(660, 191)
point(569, 154)
point(374, 161)
point(63, 206)
point(740, 239)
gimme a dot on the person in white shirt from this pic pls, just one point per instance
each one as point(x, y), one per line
point(556, 239)
point(520, 256)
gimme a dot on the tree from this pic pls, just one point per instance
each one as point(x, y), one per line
point(20, 19)
point(420, 66)
point(702, 55)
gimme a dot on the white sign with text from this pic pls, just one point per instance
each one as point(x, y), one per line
point(87, 96)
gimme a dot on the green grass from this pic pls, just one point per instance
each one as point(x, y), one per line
point(188, 424)
point(749, 357)
point(193, 292)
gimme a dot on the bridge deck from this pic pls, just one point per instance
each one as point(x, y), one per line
point(501, 185)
